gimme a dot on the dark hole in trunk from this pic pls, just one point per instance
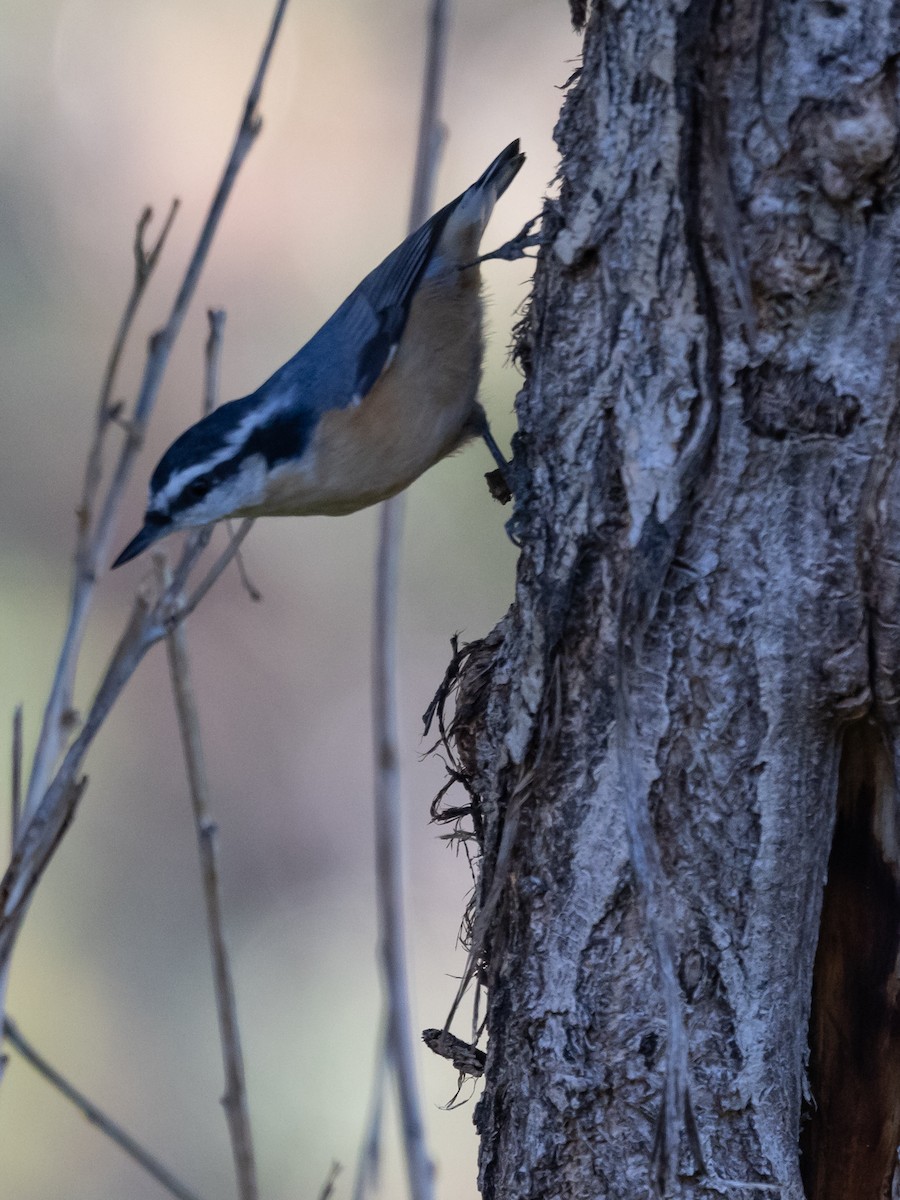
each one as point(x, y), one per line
point(849, 1141)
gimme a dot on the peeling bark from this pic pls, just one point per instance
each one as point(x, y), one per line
point(693, 705)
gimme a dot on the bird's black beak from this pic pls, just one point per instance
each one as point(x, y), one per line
point(153, 530)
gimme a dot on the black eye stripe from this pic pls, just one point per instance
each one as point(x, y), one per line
point(198, 488)
point(281, 436)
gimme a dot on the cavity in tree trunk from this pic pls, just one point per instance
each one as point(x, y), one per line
point(687, 725)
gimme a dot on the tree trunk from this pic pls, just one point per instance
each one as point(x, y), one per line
point(682, 740)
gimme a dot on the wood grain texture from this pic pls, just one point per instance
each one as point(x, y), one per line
point(708, 501)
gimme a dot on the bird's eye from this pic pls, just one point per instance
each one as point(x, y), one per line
point(197, 488)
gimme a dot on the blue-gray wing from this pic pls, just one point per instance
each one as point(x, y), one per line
point(342, 362)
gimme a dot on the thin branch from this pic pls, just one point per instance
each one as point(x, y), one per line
point(234, 1100)
point(431, 131)
point(388, 808)
point(54, 728)
point(246, 582)
point(144, 263)
point(152, 617)
point(218, 567)
point(389, 858)
point(96, 1116)
point(216, 319)
point(40, 834)
point(331, 1179)
point(51, 800)
point(16, 781)
point(369, 1165)
point(55, 725)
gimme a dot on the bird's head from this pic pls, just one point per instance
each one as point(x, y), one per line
point(218, 468)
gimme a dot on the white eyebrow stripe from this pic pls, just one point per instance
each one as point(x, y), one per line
point(234, 440)
point(176, 483)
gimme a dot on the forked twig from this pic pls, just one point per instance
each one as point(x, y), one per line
point(54, 787)
point(54, 726)
point(401, 1041)
point(151, 619)
point(94, 541)
point(96, 1116)
point(48, 806)
point(144, 263)
point(234, 1099)
point(217, 568)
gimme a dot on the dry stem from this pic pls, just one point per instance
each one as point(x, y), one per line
point(151, 619)
point(50, 805)
point(95, 534)
point(234, 1100)
point(216, 319)
point(369, 1163)
point(400, 1040)
point(16, 781)
point(52, 799)
point(96, 1116)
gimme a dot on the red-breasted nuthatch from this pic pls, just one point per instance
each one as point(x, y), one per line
point(386, 388)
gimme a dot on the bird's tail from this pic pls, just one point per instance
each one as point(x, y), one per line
point(470, 212)
point(502, 171)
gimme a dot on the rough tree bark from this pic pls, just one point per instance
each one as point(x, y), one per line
point(688, 724)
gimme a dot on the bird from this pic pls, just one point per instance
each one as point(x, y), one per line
point(386, 388)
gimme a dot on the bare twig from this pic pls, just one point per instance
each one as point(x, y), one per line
point(55, 726)
point(16, 782)
point(152, 616)
point(331, 1179)
point(144, 262)
point(389, 857)
point(96, 1116)
point(369, 1164)
point(246, 582)
point(234, 1100)
point(388, 809)
point(94, 545)
point(50, 805)
point(216, 318)
point(218, 566)
point(39, 835)
point(431, 131)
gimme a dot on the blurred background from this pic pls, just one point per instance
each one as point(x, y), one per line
point(105, 107)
